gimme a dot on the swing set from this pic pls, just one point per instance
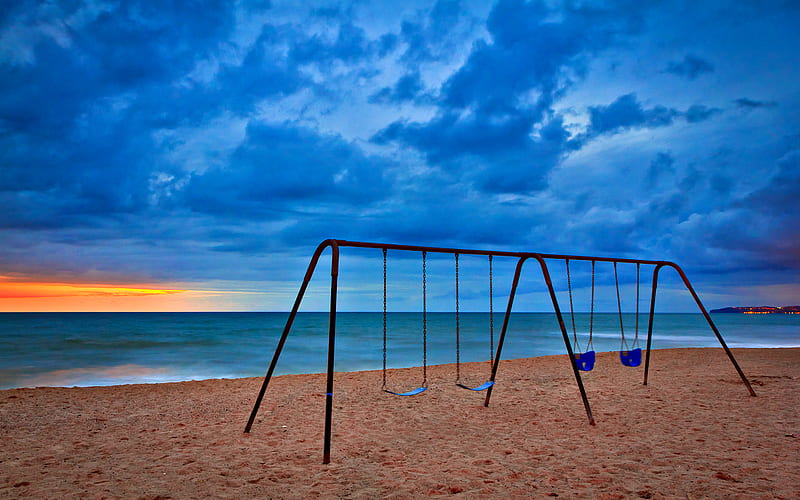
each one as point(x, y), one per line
point(581, 359)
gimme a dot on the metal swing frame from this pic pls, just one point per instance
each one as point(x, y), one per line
point(522, 258)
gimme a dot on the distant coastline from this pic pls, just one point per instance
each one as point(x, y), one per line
point(759, 310)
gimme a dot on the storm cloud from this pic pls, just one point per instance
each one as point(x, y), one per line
point(194, 142)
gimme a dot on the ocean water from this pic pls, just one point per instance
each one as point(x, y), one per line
point(86, 349)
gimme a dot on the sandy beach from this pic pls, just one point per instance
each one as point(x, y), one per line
point(693, 432)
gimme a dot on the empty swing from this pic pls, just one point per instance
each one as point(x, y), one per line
point(584, 360)
point(628, 357)
point(488, 383)
point(424, 386)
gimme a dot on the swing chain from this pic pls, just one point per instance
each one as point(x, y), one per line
point(491, 312)
point(424, 318)
point(571, 310)
point(458, 329)
point(636, 337)
point(590, 345)
point(384, 319)
point(623, 343)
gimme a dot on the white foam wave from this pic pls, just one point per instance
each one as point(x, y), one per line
point(111, 375)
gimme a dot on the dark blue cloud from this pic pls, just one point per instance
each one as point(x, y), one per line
point(280, 167)
point(781, 195)
point(497, 154)
point(132, 46)
point(77, 118)
point(127, 45)
point(426, 37)
point(698, 113)
point(690, 67)
point(407, 88)
point(350, 44)
point(663, 164)
point(627, 112)
point(98, 167)
point(489, 107)
point(777, 204)
point(756, 231)
point(78, 124)
point(386, 44)
point(747, 103)
point(528, 51)
point(451, 136)
point(265, 72)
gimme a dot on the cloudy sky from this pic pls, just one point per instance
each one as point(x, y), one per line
point(191, 155)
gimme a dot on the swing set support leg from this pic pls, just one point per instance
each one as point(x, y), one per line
point(710, 322)
point(502, 338)
point(650, 323)
point(286, 329)
point(326, 453)
point(575, 371)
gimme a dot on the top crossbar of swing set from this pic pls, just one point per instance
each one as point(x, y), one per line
point(521, 257)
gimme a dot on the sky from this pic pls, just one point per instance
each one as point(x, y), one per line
point(190, 156)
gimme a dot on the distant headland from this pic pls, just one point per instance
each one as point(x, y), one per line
point(759, 310)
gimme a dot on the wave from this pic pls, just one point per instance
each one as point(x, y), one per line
point(140, 344)
point(111, 375)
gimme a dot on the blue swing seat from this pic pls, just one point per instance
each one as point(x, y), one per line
point(585, 361)
point(412, 392)
point(481, 387)
point(631, 358)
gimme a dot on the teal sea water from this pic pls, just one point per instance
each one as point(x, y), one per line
point(85, 349)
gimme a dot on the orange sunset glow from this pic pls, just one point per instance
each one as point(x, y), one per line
point(38, 297)
point(51, 296)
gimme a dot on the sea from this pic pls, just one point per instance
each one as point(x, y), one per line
point(94, 349)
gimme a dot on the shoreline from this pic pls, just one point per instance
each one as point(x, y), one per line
point(692, 432)
point(158, 375)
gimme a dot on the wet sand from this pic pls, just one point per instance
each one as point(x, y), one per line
point(692, 432)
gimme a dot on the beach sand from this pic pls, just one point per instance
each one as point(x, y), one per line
point(693, 432)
